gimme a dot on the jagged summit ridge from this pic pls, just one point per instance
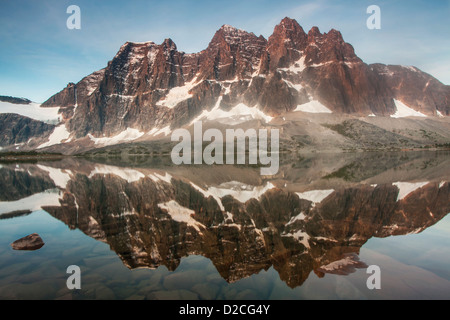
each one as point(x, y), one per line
point(150, 87)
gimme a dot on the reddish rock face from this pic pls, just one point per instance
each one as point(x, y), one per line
point(286, 44)
point(231, 54)
point(415, 88)
point(29, 243)
point(148, 86)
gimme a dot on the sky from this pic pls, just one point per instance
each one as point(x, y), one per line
point(39, 55)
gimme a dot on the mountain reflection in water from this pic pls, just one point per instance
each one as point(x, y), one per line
point(315, 215)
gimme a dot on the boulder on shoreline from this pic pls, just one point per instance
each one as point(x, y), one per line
point(28, 243)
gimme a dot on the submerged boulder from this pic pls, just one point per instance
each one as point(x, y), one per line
point(28, 243)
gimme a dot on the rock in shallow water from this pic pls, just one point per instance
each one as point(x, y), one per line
point(28, 243)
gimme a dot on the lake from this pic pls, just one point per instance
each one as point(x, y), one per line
point(142, 228)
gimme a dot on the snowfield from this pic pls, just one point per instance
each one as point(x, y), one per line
point(406, 188)
point(404, 111)
point(125, 136)
point(129, 175)
point(177, 95)
point(239, 114)
point(315, 196)
point(49, 198)
point(59, 135)
point(313, 107)
point(32, 110)
point(181, 214)
point(60, 177)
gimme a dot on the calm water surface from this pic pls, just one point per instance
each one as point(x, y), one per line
point(142, 229)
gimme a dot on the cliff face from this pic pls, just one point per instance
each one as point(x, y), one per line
point(147, 86)
point(16, 129)
point(415, 88)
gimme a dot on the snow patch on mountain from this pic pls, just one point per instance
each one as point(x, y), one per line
point(177, 95)
point(239, 114)
point(60, 177)
point(406, 188)
point(297, 67)
point(404, 111)
point(129, 175)
point(315, 196)
point(301, 237)
point(33, 111)
point(299, 217)
point(181, 214)
point(297, 87)
point(49, 198)
point(127, 135)
point(414, 69)
point(157, 131)
point(240, 191)
point(208, 194)
point(313, 107)
point(317, 65)
point(59, 135)
point(157, 177)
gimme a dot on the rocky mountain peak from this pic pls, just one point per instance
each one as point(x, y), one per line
point(232, 53)
point(230, 36)
point(286, 44)
point(169, 44)
point(226, 28)
point(335, 35)
point(290, 26)
point(288, 31)
point(314, 34)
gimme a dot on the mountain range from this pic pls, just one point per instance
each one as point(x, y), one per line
point(311, 85)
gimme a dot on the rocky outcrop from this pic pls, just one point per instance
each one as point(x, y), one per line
point(14, 100)
point(16, 129)
point(32, 242)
